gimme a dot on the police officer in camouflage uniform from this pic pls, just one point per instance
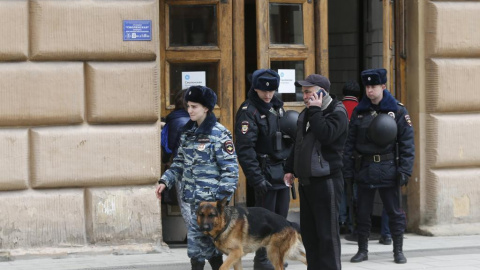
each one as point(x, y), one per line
point(262, 148)
point(379, 154)
point(206, 162)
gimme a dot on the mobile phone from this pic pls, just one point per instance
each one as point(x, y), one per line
point(321, 91)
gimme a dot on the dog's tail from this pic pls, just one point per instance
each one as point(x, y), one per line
point(297, 249)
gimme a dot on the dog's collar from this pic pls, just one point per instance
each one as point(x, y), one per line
point(224, 229)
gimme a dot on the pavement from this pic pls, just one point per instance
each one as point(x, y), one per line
point(422, 252)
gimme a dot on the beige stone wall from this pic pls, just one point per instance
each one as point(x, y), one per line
point(79, 125)
point(443, 81)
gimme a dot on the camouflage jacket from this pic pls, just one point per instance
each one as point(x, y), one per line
point(206, 162)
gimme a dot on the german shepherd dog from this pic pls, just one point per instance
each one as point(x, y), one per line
point(237, 231)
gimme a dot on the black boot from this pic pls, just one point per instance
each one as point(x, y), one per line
point(398, 249)
point(362, 254)
point(216, 262)
point(197, 265)
point(261, 262)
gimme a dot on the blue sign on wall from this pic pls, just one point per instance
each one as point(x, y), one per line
point(137, 30)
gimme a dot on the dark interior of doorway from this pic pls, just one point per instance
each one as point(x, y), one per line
point(250, 64)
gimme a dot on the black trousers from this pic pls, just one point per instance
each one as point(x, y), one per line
point(277, 201)
point(319, 203)
point(391, 204)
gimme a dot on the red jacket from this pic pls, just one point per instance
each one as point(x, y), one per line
point(350, 102)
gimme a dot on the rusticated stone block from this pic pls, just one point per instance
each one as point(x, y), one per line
point(33, 219)
point(90, 30)
point(14, 30)
point(14, 159)
point(122, 92)
point(123, 215)
point(95, 156)
point(41, 93)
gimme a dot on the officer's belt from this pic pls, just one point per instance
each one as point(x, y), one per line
point(378, 158)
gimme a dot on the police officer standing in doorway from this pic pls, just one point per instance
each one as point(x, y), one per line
point(379, 154)
point(262, 148)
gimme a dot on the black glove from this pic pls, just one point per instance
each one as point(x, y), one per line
point(262, 188)
point(402, 179)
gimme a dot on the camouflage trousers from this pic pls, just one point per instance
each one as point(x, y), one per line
point(184, 206)
point(199, 245)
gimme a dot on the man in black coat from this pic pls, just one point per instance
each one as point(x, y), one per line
point(379, 154)
point(262, 148)
point(317, 162)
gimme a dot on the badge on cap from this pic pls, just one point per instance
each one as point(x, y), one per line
point(201, 147)
point(267, 84)
point(369, 78)
point(229, 148)
point(245, 125)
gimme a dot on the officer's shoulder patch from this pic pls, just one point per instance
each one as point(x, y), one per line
point(245, 127)
point(407, 118)
point(228, 146)
point(401, 104)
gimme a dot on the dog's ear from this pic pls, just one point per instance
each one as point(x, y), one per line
point(197, 212)
point(221, 204)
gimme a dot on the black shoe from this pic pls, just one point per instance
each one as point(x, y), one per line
point(262, 265)
point(360, 257)
point(216, 262)
point(398, 256)
point(197, 265)
point(362, 254)
point(385, 240)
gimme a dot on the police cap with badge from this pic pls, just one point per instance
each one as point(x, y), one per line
point(265, 80)
point(375, 76)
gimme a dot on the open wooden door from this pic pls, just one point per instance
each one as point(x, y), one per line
point(197, 49)
point(286, 41)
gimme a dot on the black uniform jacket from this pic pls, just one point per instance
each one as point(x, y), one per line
point(255, 136)
point(359, 149)
point(329, 129)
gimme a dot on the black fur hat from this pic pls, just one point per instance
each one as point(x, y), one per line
point(202, 95)
point(374, 76)
point(265, 80)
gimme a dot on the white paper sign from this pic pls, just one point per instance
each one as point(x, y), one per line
point(190, 78)
point(287, 81)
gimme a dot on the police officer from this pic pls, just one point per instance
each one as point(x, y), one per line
point(206, 163)
point(379, 154)
point(262, 148)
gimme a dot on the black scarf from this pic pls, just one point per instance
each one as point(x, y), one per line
point(261, 105)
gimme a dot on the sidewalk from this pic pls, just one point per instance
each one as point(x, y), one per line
point(422, 252)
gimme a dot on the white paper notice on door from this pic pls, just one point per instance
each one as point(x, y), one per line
point(190, 78)
point(287, 81)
